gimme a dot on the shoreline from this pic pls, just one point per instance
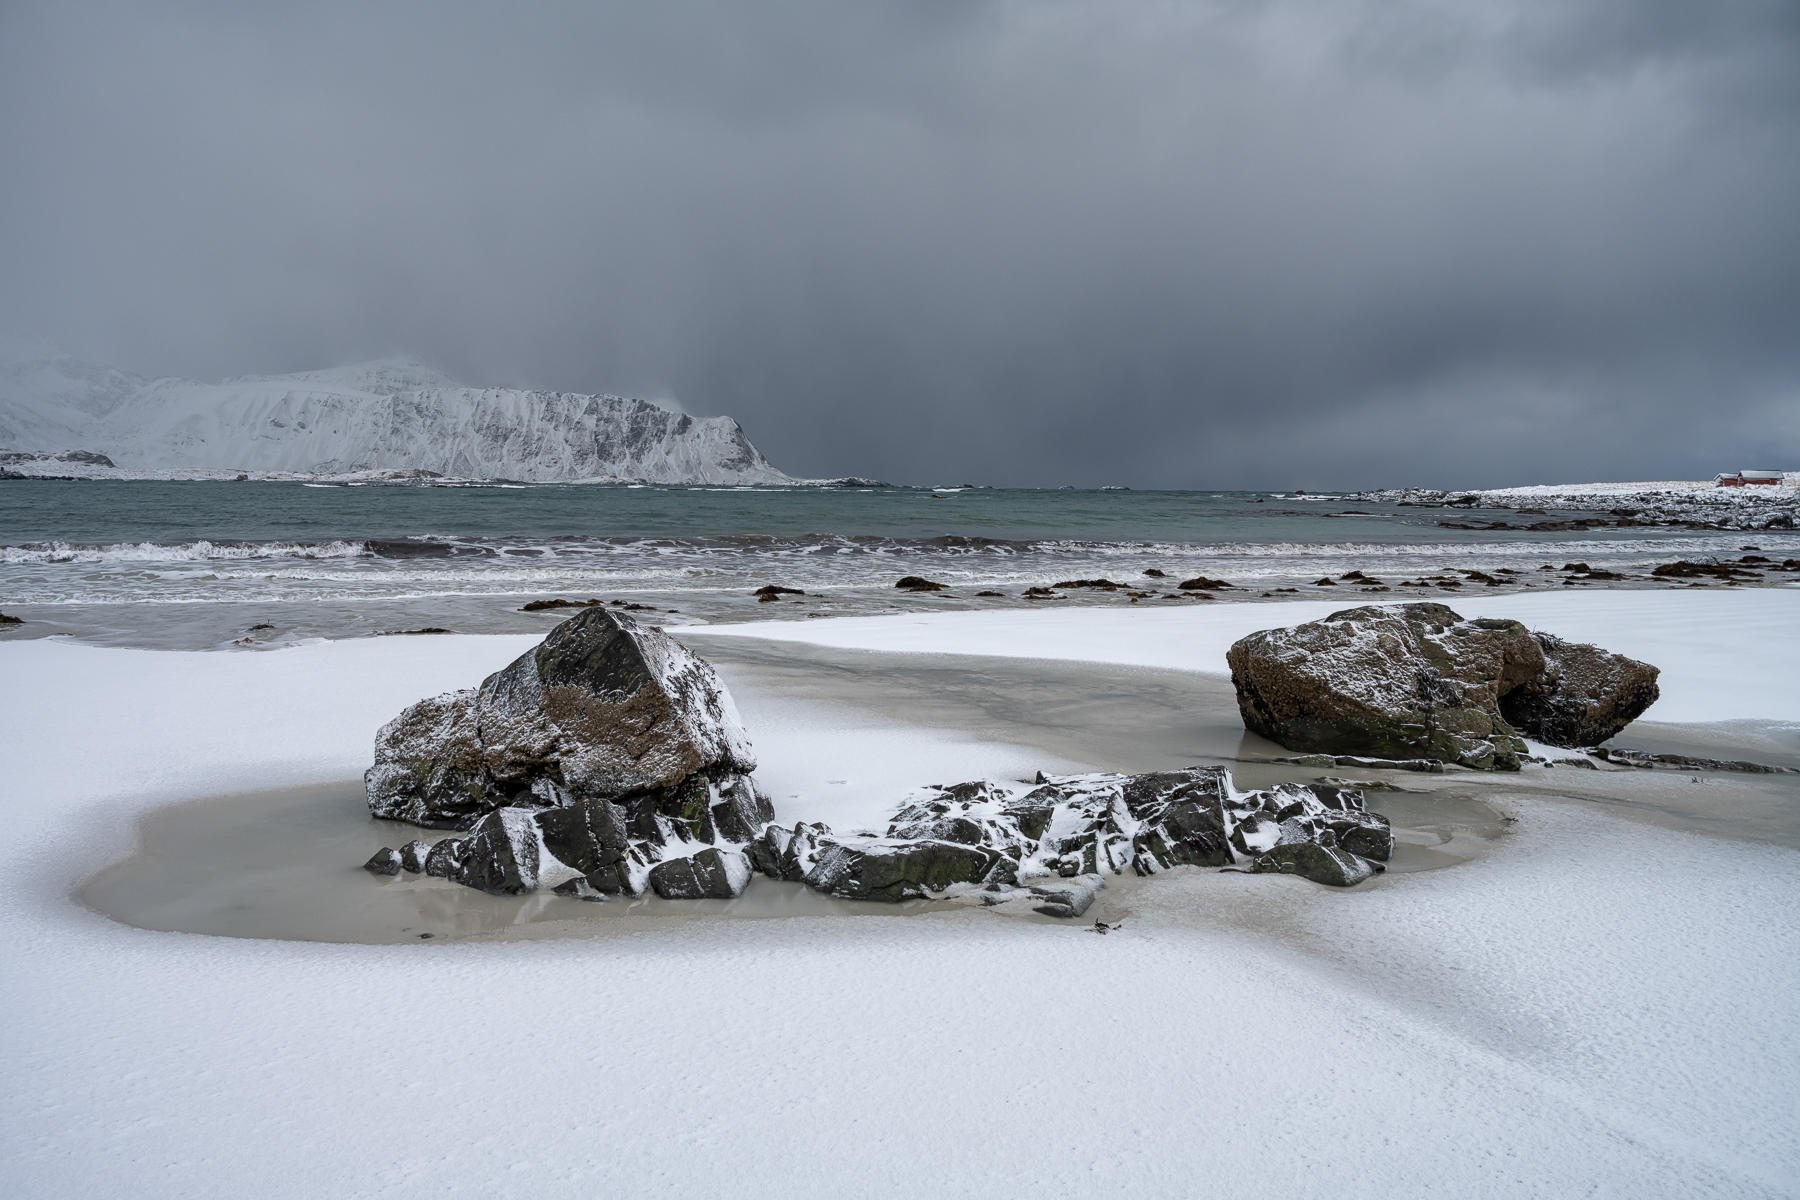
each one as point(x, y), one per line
point(1606, 994)
point(281, 864)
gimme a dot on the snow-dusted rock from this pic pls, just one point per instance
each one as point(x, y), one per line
point(1411, 681)
point(712, 874)
point(1585, 695)
point(1321, 861)
point(604, 751)
point(1418, 681)
point(1044, 848)
point(384, 861)
point(787, 854)
point(1048, 847)
point(897, 868)
point(506, 853)
point(602, 708)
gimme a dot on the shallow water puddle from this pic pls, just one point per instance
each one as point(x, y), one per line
point(285, 865)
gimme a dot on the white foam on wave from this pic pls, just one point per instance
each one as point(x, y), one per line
point(157, 552)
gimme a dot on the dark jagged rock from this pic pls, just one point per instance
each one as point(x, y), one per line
point(712, 874)
point(916, 583)
point(1184, 818)
point(551, 605)
point(1683, 569)
point(1681, 762)
point(1417, 681)
point(1201, 583)
point(1318, 861)
point(1105, 585)
point(1048, 848)
point(1584, 696)
point(787, 854)
point(442, 860)
point(385, 861)
point(412, 855)
point(506, 854)
point(888, 869)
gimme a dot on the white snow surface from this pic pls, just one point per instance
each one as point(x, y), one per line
point(1597, 1008)
point(386, 415)
point(1790, 481)
point(1725, 654)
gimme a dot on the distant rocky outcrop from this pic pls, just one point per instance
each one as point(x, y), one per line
point(604, 752)
point(1417, 681)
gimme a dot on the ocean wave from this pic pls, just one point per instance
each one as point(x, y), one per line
point(32, 553)
point(740, 548)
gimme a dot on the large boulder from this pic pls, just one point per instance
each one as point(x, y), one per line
point(601, 708)
point(603, 751)
point(1417, 681)
point(1585, 695)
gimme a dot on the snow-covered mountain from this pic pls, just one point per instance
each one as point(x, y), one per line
point(392, 414)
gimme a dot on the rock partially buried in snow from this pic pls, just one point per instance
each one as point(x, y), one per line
point(1417, 681)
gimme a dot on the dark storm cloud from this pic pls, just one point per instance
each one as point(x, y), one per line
point(1208, 244)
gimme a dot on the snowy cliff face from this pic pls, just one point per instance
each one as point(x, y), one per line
point(49, 401)
point(391, 414)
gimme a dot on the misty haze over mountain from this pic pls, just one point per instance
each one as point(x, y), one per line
point(1227, 243)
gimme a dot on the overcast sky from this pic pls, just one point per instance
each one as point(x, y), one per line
point(1206, 244)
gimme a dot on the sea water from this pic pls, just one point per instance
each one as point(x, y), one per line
point(205, 563)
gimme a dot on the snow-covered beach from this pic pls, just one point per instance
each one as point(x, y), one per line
point(1597, 1002)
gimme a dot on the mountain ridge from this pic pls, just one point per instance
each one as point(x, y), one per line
point(384, 415)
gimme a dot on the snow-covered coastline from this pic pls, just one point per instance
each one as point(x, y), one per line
point(364, 421)
point(1597, 1005)
point(1697, 504)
